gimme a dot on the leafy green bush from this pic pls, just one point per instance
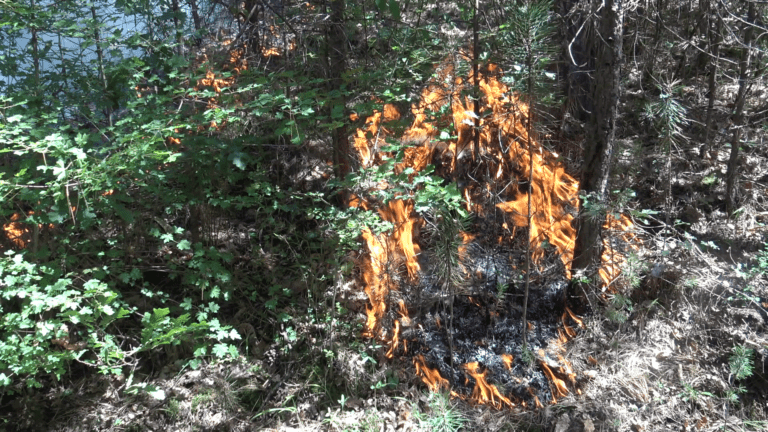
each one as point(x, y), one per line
point(49, 320)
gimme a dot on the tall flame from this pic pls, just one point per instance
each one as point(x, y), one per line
point(508, 151)
point(386, 251)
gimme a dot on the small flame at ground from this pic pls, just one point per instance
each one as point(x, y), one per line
point(613, 261)
point(485, 393)
point(560, 389)
point(395, 342)
point(507, 359)
point(430, 377)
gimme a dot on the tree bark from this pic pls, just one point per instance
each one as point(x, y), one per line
point(600, 137)
point(251, 25)
point(100, 57)
point(35, 51)
point(177, 27)
point(196, 20)
point(476, 87)
point(337, 56)
point(577, 61)
point(738, 115)
point(715, 38)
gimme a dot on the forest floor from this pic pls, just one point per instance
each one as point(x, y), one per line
point(668, 367)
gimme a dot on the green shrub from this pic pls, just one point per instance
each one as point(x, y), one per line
point(49, 320)
point(741, 362)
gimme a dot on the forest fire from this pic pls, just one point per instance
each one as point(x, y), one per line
point(395, 342)
point(612, 259)
point(484, 392)
point(18, 233)
point(430, 377)
point(480, 357)
point(560, 389)
point(386, 251)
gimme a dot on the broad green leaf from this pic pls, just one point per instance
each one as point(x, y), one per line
point(220, 350)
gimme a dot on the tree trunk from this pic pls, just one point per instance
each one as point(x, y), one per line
point(476, 87)
point(251, 25)
point(600, 138)
point(35, 52)
point(337, 56)
point(738, 115)
point(177, 27)
point(577, 61)
point(100, 57)
point(704, 31)
point(196, 20)
point(715, 38)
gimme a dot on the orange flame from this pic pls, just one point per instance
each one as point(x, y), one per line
point(376, 282)
point(483, 391)
point(573, 316)
point(567, 369)
point(502, 136)
point(568, 330)
point(395, 342)
point(403, 311)
point(536, 400)
point(373, 130)
point(386, 251)
point(507, 359)
point(19, 233)
point(399, 212)
point(612, 261)
point(508, 151)
point(560, 389)
point(430, 377)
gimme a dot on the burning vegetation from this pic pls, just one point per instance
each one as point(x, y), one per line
point(481, 356)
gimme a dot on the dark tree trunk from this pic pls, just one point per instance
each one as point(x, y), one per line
point(476, 87)
point(35, 52)
point(251, 24)
point(600, 137)
point(715, 38)
point(738, 115)
point(196, 20)
point(577, 60)
point(704, 31)
point(177, 27)
point(100, 57)
point(337, 56)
